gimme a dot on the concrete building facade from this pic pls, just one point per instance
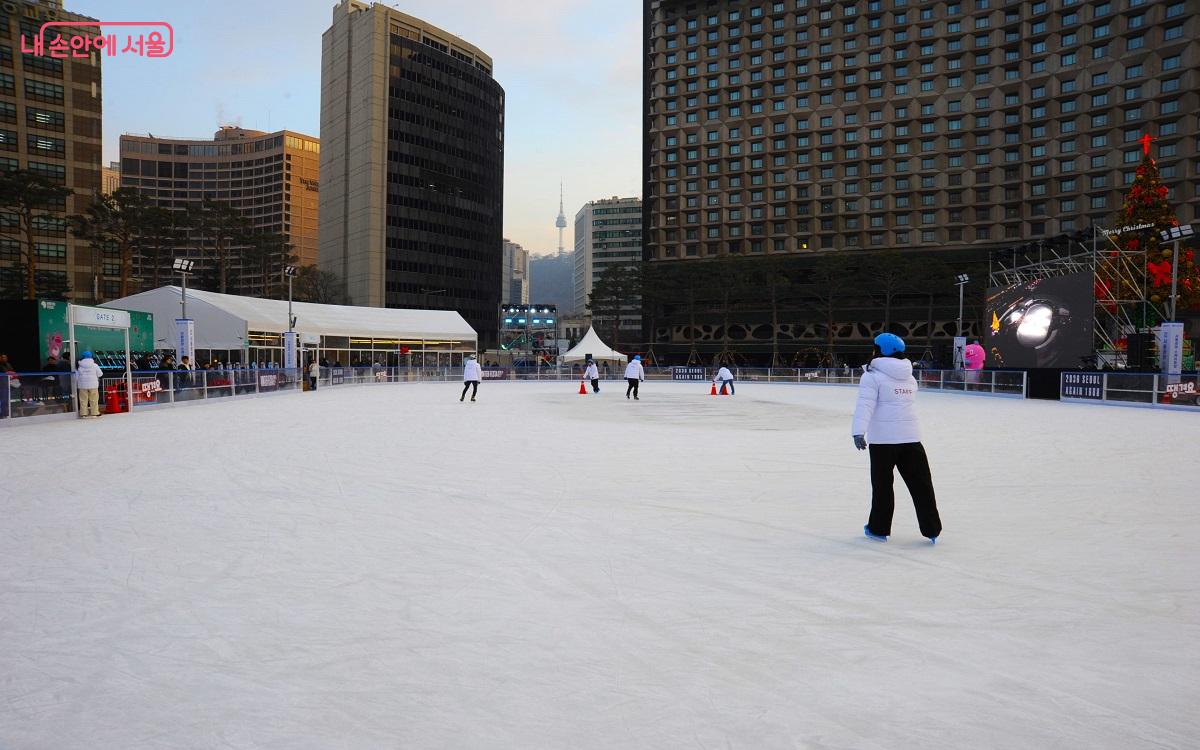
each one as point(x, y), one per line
point(784, 127)
point(608, 233)
point(515, 280)
point(412, 124)
point(271, 179)
point(50, 124)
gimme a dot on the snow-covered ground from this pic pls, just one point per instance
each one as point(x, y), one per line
point(387, 567)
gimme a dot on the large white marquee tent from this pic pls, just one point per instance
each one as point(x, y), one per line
point(230, 323)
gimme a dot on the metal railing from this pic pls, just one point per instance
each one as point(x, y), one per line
point(50, 394)
point(1145, 389)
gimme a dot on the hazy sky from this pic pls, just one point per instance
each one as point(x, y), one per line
point(571, 70)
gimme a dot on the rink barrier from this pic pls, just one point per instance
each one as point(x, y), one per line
point(1147, 390)
point(43, 396)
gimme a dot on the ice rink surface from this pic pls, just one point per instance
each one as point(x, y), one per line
point(385, 567)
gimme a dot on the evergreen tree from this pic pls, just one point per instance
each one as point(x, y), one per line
point(1146, 203)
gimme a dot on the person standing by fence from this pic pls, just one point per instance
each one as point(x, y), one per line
point(314, 372)
point(8, 383)
point(884, 413)
point(472, 374)
point(88, 374)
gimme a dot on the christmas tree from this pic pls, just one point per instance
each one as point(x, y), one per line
point(1146, 204)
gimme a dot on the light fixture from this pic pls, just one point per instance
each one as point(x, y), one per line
point(962, 278)
point(289, 270)
point(183, 265)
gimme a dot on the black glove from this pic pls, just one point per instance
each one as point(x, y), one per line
point(860, 442)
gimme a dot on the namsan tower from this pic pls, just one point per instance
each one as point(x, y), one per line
point(561, 221)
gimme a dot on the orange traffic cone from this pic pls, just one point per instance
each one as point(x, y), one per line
point(713, 392)
point(724, 391)
point(582, 389)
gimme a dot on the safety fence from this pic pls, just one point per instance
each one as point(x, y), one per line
point(1145, 389)
point(31, 397)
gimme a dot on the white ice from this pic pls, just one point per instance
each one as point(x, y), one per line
point(385, 567)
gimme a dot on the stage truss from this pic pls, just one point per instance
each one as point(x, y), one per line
point(1120, 282)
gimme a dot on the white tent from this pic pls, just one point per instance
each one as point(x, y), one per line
point(593, 345)
point(224, 321)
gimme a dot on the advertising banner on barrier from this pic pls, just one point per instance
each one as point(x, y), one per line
point(268, 380)
point(1088, 386)
point(493, 373)
point(337, 376)
point(185, 339)
point(687, 373)
point(1170, 350)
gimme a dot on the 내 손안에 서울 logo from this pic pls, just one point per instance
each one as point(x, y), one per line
point(114, 37)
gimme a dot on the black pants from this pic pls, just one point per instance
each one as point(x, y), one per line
point(910, 459)
point(633, 386)
point(473, 385)
point(312, 383)
point(595, 385)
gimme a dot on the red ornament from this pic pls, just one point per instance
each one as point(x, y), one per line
point(1133, 244)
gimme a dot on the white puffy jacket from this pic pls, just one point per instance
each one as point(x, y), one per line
point(592, 372)
point(723, 374)
point(89, 374)
point(884, 412)
point(634, 370)
point(471, 371)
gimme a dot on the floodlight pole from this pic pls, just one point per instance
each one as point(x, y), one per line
point(183, 292)
point(960, 307)
point(1174, 275)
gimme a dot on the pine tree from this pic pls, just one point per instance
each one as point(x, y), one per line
point(1146, 203)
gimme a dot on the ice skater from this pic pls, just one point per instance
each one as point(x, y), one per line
point(88, 376)
point(471, 377)
point(592, 373)
point(725, 378)
point(885, 414)
point(634, 374)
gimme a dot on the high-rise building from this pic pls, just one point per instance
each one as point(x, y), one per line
point(608, 234)
point(889, 124)
point(515, 280)
point(412, 168)
point(943, 128)
point(50, 124)
point(271, 179)
point(110, 178)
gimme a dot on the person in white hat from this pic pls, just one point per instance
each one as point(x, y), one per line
point(472, 374)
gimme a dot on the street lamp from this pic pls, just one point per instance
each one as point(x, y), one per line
point(1176, 235)
point(183, 267)
point(961, 281)
point(291, 350)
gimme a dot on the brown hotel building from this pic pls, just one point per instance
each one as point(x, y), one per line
point(50, 124)
point(800, 125)
point(270, 178)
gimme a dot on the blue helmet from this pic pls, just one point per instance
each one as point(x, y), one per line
point(889, 344)
point(637, 358)
point(87, 355)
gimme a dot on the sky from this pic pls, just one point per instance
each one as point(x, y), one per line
point(571, 70)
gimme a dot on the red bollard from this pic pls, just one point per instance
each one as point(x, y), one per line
point(582, 389)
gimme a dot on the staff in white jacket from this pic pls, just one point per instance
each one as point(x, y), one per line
point(725, 378)
point(472, 374)
point(592, 373)
point(634, 374)
point(884, 415)
point(88, 375)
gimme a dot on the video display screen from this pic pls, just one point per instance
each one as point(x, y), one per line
point(1042, 323)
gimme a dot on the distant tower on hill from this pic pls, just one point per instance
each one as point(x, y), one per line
point(561, 221)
